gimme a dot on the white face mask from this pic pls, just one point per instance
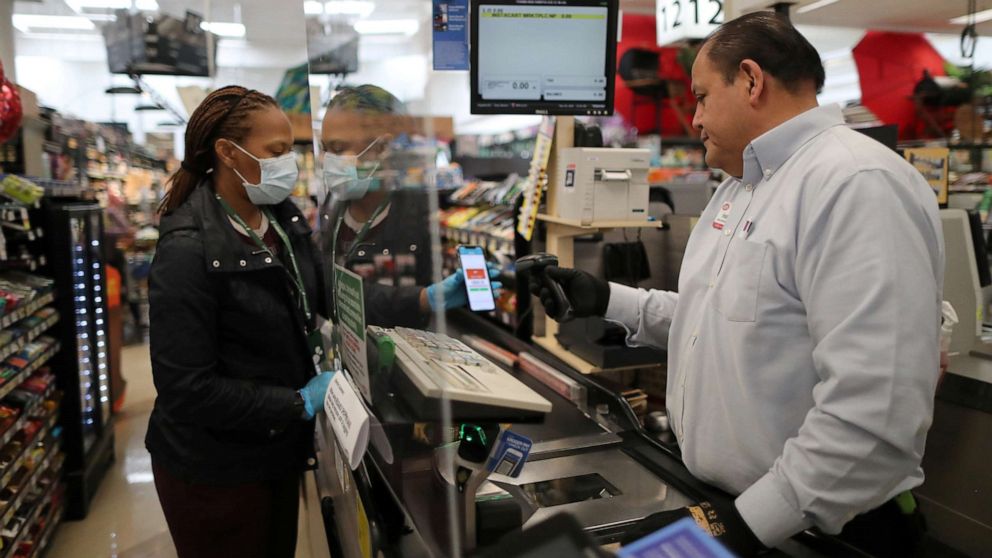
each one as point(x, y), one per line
point(278, 178)
point(340, 175)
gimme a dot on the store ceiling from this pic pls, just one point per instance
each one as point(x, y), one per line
point(932, 16)
point(266, 21)
point(273, 23)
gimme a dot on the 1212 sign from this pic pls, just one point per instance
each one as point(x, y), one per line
point(679, 20)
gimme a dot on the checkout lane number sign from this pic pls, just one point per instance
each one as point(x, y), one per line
point(679, 20)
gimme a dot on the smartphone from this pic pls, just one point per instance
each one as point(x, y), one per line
point(480, 290)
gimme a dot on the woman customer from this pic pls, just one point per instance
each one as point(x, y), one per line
point(235, 290)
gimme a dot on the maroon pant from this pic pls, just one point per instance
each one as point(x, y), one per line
point(242, 520)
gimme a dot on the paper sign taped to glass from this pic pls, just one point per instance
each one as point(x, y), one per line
point(350, 301)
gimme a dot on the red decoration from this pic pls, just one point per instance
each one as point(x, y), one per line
point(11, 111)
point(889, 66)
point(639, 31)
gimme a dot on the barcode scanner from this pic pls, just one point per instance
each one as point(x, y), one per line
point(536, 264)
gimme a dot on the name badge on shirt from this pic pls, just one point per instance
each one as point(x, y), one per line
point(721, 217)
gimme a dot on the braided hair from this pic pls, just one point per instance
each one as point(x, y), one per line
point(222, 114)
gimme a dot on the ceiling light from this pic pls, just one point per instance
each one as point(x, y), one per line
point(387, 27)
point(313, 7)
point(360, 8)
point(79, 5)
point(982, 16)
point(104, 18)
point(169, 124)
point(27, 22)
point(223, 28)
point(149, 107)
point(814, 6)
point(123, 90)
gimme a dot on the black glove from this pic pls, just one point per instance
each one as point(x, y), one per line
point(588, 295)
point(722, 522)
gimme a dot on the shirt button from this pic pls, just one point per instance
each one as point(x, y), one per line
point(268, 260)
point(361, 252)
point(726, 232)
point(295, 218)
point(385, 252)
point(749, 187)
point(413, 247)
point(711, 284)
point(216, 263)
point(768, 172)
point(311, 462)
point(243, 263)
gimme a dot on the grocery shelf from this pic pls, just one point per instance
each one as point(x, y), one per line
point(32, 334)
point(57, 188)
point(30, 264)
point(46, 535)
point(483, 203)
point(22, 312)
point(37, 363)
point(43, 466)
point(479, 238)
point(105, 175)
point(13, 211)
point(25, 416)
point(19, 462)
point(30, 521)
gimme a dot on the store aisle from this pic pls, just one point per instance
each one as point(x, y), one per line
point(125, 520)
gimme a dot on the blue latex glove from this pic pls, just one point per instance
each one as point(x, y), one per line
point(454, 292)
point(313, 393)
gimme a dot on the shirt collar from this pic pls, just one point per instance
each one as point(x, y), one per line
point(769, 151)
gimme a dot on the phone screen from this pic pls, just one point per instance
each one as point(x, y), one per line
point(480, 291)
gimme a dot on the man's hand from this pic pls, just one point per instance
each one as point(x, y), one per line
point(722, 522)
point(588, 295)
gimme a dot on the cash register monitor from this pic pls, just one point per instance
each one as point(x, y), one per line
point(543, 56)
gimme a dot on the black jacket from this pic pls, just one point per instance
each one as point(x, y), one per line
point(228, 347)
point(404, 233)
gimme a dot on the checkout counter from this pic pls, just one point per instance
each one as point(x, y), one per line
point(590, 459)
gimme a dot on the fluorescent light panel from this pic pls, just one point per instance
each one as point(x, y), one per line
point(79, 5)
point(224, 28)
point(814, 6)
point(313, 7)
point(980, 17)
point(387, 27)
point(360, 8)
point(27, 22)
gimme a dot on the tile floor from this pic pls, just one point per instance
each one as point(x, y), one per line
point(125, 520)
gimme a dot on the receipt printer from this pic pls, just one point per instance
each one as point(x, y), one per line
point(602, 184)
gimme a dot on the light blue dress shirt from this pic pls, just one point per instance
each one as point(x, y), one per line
point(802, 344)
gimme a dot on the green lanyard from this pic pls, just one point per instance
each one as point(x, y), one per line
point(360, 235)
point(295, 275)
